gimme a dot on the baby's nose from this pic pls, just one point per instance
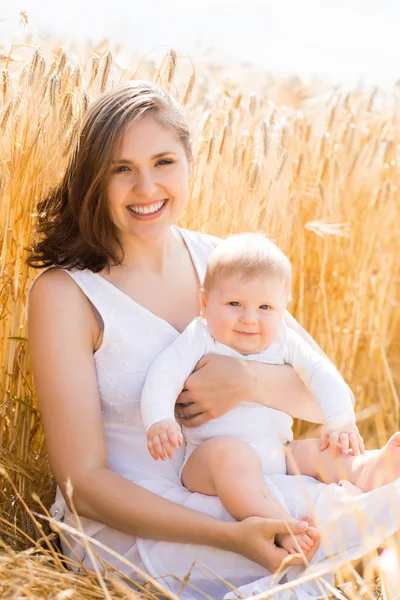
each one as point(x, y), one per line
point(249, 316)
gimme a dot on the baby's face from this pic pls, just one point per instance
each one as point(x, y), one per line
point(247, 316)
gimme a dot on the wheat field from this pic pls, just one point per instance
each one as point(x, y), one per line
point(315, 167)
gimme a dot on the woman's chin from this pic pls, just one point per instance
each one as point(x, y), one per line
point(146, 230)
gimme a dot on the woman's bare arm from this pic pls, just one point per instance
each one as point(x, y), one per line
point(280, 387)
point(221, 382)
point(62, 335)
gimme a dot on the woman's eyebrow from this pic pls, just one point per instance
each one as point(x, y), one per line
point(160, 154)
point(126, 161)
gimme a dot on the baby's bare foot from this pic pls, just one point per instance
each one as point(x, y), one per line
point(305, 544)
point(381, 466)
point(299, 543)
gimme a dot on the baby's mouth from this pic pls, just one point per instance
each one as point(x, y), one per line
point(247, 333)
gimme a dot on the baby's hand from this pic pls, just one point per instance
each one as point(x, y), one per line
point(342, 433)
point(162, 437)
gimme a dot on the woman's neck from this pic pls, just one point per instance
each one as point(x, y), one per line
point(150, 253)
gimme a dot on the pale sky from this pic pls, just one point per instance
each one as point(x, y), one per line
point(343, 41)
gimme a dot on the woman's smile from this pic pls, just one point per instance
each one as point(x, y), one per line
point(146, 212)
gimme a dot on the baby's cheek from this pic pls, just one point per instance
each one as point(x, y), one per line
point(224, 334)
point(271, 332)
point(215, 327)
point(224, 329)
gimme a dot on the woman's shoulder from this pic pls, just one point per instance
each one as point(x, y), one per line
point(53, 290)
point(58, 310)
point(51, 280)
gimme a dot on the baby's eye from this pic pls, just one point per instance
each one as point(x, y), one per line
point(164, 161)
point(265, 306)
point(234, 303)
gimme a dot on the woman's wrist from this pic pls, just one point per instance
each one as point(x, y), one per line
point(224, 536)
point(280, 387)
point(253, 379)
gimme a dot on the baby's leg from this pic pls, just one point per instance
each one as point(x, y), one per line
point(369, 471)
point(232, 470)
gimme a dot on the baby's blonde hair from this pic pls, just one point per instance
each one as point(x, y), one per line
point(247, 256)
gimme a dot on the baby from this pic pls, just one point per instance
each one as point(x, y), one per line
point(243, 300)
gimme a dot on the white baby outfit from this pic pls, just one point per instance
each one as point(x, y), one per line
point(353, 522)
point(265, 430)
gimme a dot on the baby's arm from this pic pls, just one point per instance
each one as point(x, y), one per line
point(164, 382)
point(331, 392)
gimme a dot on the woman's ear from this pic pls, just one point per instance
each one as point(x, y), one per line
point(203, 304)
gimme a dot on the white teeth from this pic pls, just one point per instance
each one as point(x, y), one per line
point(147, 210)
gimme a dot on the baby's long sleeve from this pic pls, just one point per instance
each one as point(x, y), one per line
point(321, 378)
point(168, 373)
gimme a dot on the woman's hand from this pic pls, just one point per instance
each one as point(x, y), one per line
point(218, 384)
point(254, 538)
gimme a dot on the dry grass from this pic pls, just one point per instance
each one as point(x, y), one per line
point(316, 168)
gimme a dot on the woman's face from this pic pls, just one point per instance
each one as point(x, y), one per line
point(148, 183)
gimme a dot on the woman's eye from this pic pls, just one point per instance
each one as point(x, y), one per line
point(265, 306)
point(121, 169)
point(234, 303)
point(164, 161)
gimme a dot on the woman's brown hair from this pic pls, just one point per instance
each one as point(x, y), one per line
point(74, 229)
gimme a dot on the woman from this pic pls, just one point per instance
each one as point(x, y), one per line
point(127, 283)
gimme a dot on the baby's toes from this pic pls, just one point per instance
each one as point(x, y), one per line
point(313, 534)
point(306, 542)
point(296, 545)
point(292, 547)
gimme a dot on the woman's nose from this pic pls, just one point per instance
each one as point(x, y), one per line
point(145, 183)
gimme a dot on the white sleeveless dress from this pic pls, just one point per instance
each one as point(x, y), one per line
point(352, 523)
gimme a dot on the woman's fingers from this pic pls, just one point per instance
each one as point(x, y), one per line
point(273, 526)
point(309, 520)
point(257, 536)
point(276, 556)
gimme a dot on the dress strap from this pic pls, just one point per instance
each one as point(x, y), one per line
point(94, 289)
point(201, 246)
